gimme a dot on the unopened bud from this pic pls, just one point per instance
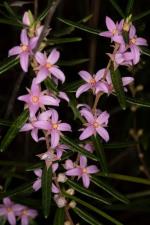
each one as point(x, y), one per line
point(140, 132)
point(140, 87)
point(70, 191)
point(141, 156)
point(72, 204)
point(132, 132)
point(134, 108)
point(61, 178)
point(67, 222)
point(60, 201)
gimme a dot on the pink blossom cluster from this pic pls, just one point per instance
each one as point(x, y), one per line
point(124, 35)
point(14, 212)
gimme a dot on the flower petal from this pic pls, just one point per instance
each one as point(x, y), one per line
point(103, 133)
point(100, 74)
point(45, 125)
point(74, 172)
point(64, 127)
point(53, 57)
point(14, 51)
point(11, 218)
point(103, 117)
point(92, 169)
point(37, 185)
point(27, 127)
point(86, 180)
point(110, 24)
point(83, 88)
point(40, 58)
point(89, 131)
point(85, 75)
point(88, 115)
point(24, 37)
point(24, 61)
point(55, 136)
point(83, 161)
point(38, 172)
point(48, 100)
point(34, 134)
point(42, 75)
point(57, 73)
point(107, 34)
point(127, 80)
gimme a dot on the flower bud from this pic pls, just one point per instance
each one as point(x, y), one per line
point(70, 191)
point(67, 222)
point(61, 178)
point(60, 201)
point(72, 204)
point(139, 88)
point(140, 132)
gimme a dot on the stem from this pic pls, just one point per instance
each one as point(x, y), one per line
point(48, 19)
point(35, 8)
point(68, 215)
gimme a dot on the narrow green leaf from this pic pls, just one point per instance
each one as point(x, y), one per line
point(119, 145)
point(59, 216)
point(87, 192)
point(140, 16)
point(50, 85)
point(117, 7)
point(138, 102)
point(23, 189)
point(73, 86)
point(109, 189)
point(13, 130)
point(11, 12)
point(56, 41)
point(139, 194)
point(2, 220)
point(94, 209)
point(118, 86)
point(145, 51)
point(86, 217)
point(129, 7)
point(80, 26)
point(10, 22)
point(35, 166)
point(46, 190)
point(5, 123)
point(73, 62)
point(100, 153)
point(126, 178)
point(73, 105)
point(11, 63)
point(76, 148)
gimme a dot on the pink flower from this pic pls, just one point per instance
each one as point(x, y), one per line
point(54, 128)
point(47, 66)
point(24, 50)
point(37, 99)
point(114, 30)
point(83, 171)
point(95, 125)
point(26, 214)
point(92, 82)
point(9, 210)
point(37, 184)
point(49, 157)
point(134, 43)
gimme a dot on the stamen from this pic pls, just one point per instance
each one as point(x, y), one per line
point(48, 65)
point(24, 48)
point(35, 99)
point(55, 125)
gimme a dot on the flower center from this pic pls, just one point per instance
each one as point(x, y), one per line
point(35, 99)
point(55, 125)
point(25, 212)
point(48, 65)
point(24, 48)
point(9, 209)
point(96, 125)
point(92, 81)
point(84, 170)
point(114, 31)
point(133, 40)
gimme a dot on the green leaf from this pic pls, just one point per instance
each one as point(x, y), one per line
point(73, 62)
point(100, 153)
point(50, 85)
point(87, 192)
point(126, 178)
point(86, 217)
point(35, 166)
point(119, 145)
point(117, 7)
point(55, 41)
point(138, 102)
point(46, 190)
point(80, 26)
point(10, 22)
point(73, 86)
point(11, 63)
point(76, 148)
point(109, 189)
point(118, 86)
point(73, 105)
point(2, 220)
point(94, 209)
point(140, 16)
point(139, 194)
point(129, 7)
point(5, 123)
point(59, 216)
point(23, 189)
point(13, 130)
point(145, 51)
point(11, 12)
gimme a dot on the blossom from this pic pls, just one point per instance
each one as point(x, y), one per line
point(37, 184)
point(92, 82)
point(49, 157)
point(134, 43)
point(95, 125)
point(83, 171)
point(37, 99)
point(26, 214)
point(114, 30)
point(24, 50)
point(54, 128)
point(47, 66)
point(9, 209)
